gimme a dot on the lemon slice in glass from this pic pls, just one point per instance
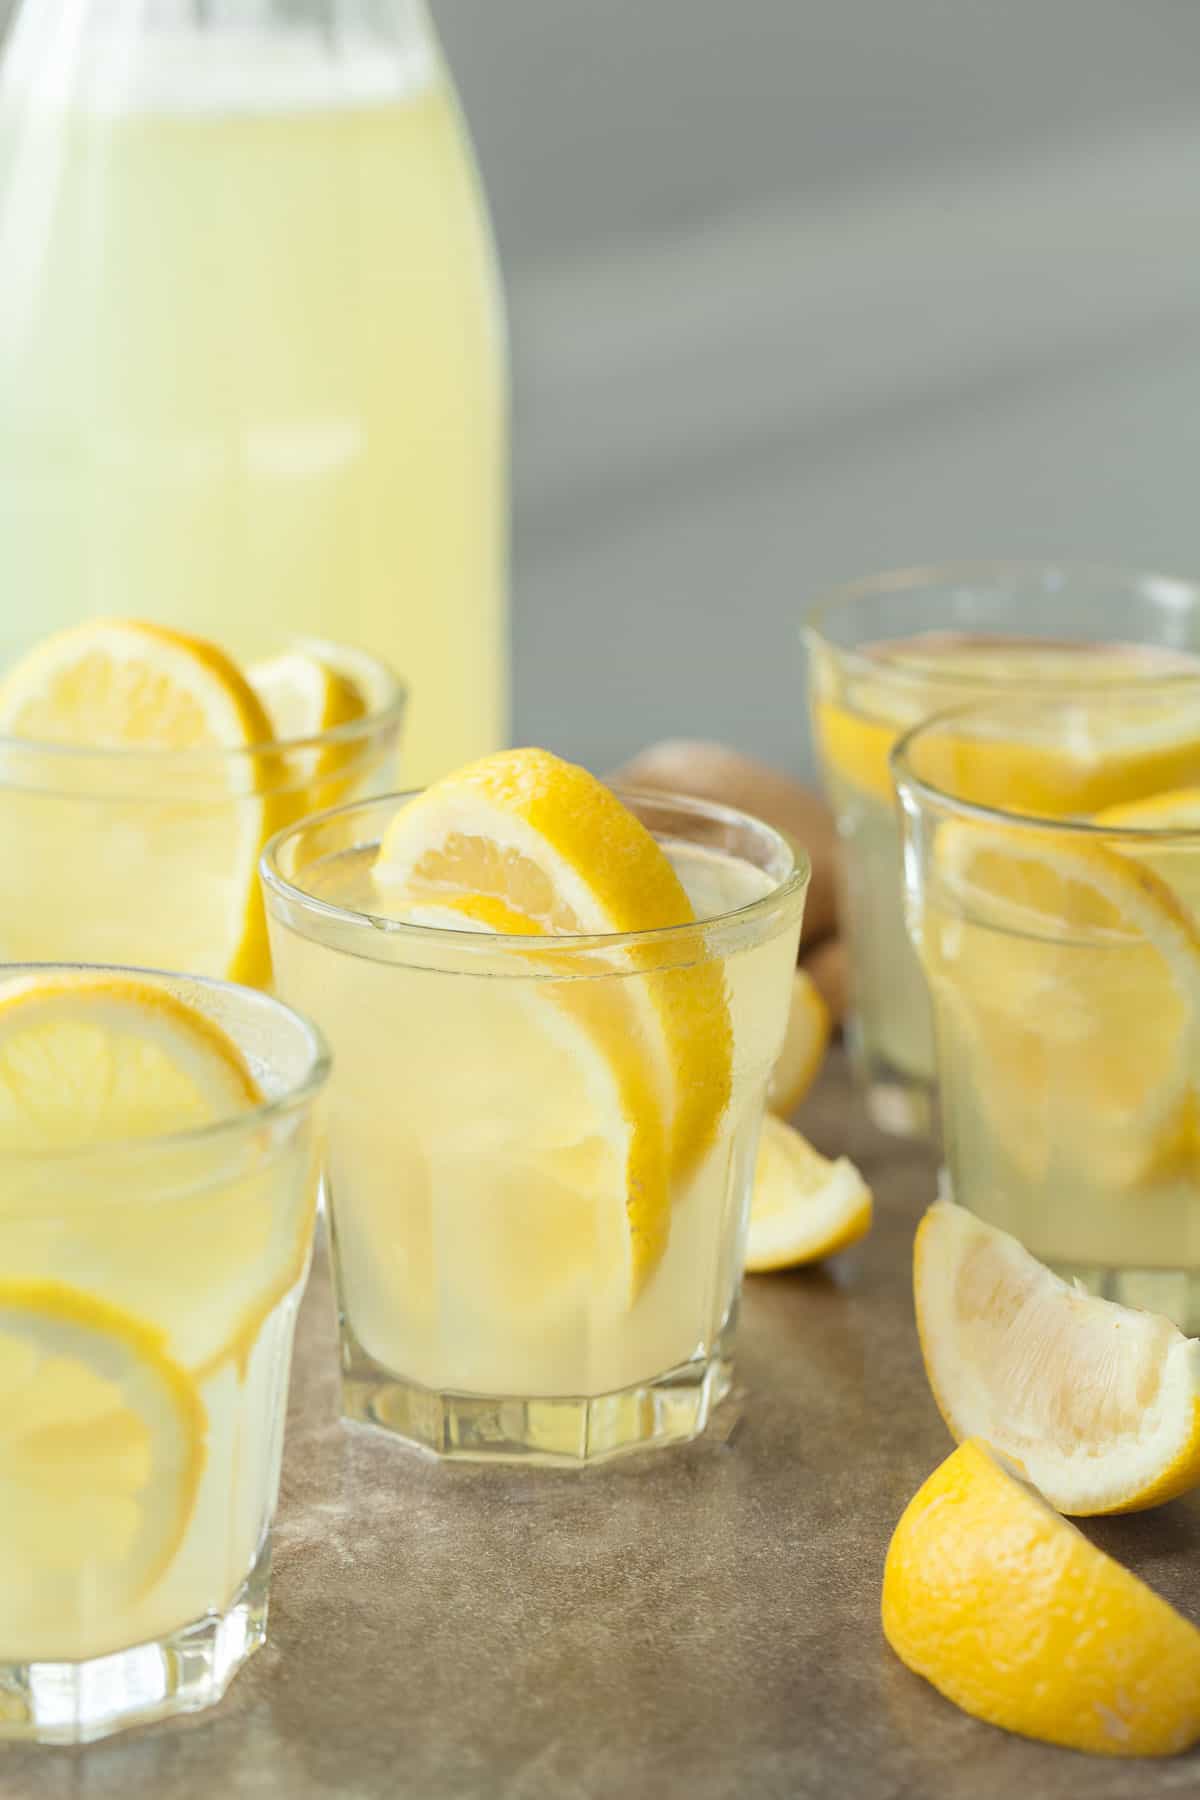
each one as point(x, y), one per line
point(556, 846)
point(102, 1445)
point(123, 857)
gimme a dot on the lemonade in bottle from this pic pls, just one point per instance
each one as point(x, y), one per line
point(252, 353)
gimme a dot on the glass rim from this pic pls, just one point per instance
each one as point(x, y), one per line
point(382, 716)
point(298, 1094)
point(1175, 589)
point(791, 888)
point(908, 781)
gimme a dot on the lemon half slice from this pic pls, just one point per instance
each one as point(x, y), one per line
point(98, 1057)
point(304, 697)
point(594, 1134)
point(102, 1445)
point(127, 859)
point(550, 841)
point(1071, 975)
point(804, 1207)
point(1013, 1615)
point(1097, 1403)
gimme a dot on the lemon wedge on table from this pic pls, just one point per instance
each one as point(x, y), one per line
point(556, 846)
point(1097, 1403)
point(1070, 976)
point(804, 1207)
point(125, 860)
point(1013, 1615)
point(102, 1445)
point(805, 1043)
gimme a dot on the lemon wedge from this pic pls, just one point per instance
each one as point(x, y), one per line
point(1014, 1616)
point(102, 1445)
point(556, 846)
point(804, 1207)
point(98, 1057)
point(1069, 976)
point(799, 1062)
point(1098, 1404)
point(122, 859)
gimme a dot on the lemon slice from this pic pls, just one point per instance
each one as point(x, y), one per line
point(915, 678)
point(1097, 1403)
point(372, 684)
point(804, 1207)
point(304, 696)
point(102, 1445)
point(558, 847)
point(1071, 974)
point(125, 859)
point(96, 1057)
point(614, 1225)
point(799, 1062)
point(1013, 1615)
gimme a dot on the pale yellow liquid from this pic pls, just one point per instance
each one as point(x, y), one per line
point(469, 1167)
point(252, 365)
point(216, 1268)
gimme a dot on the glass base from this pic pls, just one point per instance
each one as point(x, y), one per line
point(1172, 1292)
point(78, 1702)
point(562, 1431)
point(900, 1104)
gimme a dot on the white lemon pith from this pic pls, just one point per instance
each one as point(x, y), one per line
point(1098, 1404)
point(94, 858)
point(1009, 1611)
point(102, 1443)
point(804, 1206)
point(799, 1062)
point(558, 852)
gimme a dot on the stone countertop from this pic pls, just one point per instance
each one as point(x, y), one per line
point(701, 1622)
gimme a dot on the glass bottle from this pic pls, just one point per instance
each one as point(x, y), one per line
point(252, 349)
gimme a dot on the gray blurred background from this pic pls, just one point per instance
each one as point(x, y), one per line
point(801, 289)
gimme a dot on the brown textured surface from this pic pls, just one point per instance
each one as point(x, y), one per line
point(702, 1623)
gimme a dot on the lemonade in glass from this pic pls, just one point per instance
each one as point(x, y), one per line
point(159, 1148)
point(141, 772)
point(1063, 960)
point(887, 652)
point(545, 1114)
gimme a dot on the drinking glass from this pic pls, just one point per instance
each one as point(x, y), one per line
point(1062, 954)
point(147, 1304)
point(886, 652)
point(150, 856)
point(529, 1264)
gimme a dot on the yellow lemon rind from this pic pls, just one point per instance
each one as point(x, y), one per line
point(1014, 1616)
